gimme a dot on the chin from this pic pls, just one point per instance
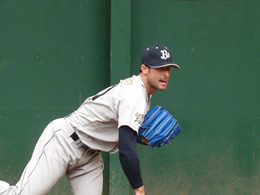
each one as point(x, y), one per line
point(162, 88)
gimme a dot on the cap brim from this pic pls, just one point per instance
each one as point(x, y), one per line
point(164, 65)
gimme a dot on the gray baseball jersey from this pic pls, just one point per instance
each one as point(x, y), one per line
point(97, 120)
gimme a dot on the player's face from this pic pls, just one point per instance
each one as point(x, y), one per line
point(158, 78)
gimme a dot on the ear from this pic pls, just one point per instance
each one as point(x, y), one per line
point(144, 69)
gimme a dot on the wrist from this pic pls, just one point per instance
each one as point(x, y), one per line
point(140, 190)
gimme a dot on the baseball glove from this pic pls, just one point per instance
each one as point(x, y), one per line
point(158, 127)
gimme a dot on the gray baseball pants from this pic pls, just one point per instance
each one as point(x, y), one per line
point(56, 154)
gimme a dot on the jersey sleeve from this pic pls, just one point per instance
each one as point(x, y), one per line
point(132, 109)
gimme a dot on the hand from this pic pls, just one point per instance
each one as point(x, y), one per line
point(140, 191)
point(145, 141)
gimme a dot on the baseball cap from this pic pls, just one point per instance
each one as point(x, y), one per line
point(157, 56)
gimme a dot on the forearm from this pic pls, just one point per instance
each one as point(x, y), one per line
point(131, 168)
point(128, 156)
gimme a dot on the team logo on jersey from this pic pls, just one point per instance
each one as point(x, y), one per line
point(139, 118)
point(127, 81)
point(165, 54)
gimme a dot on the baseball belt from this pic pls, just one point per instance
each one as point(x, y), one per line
point(87, 149)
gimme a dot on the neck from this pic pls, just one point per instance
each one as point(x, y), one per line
point(149, 90)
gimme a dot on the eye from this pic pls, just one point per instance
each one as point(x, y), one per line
point(165, 68)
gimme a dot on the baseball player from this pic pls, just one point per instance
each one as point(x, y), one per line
point(106, 122)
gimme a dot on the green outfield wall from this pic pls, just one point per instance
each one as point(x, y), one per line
point(54, 54)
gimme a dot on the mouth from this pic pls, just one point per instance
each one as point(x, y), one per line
point(164, 82)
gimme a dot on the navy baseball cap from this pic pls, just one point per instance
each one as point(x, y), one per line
point(157, 56)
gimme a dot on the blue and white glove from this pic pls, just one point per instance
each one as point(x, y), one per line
point(158, 127)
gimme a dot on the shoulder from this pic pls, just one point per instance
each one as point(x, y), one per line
point(133, 82)
point(132, 87)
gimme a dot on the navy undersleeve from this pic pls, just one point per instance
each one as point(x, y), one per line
point(128, 156)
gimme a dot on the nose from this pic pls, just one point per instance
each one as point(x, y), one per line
point(167, 73)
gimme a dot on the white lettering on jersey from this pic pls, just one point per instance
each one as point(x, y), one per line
point(165, 54)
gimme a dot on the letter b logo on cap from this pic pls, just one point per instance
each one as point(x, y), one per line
point(165, 54)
